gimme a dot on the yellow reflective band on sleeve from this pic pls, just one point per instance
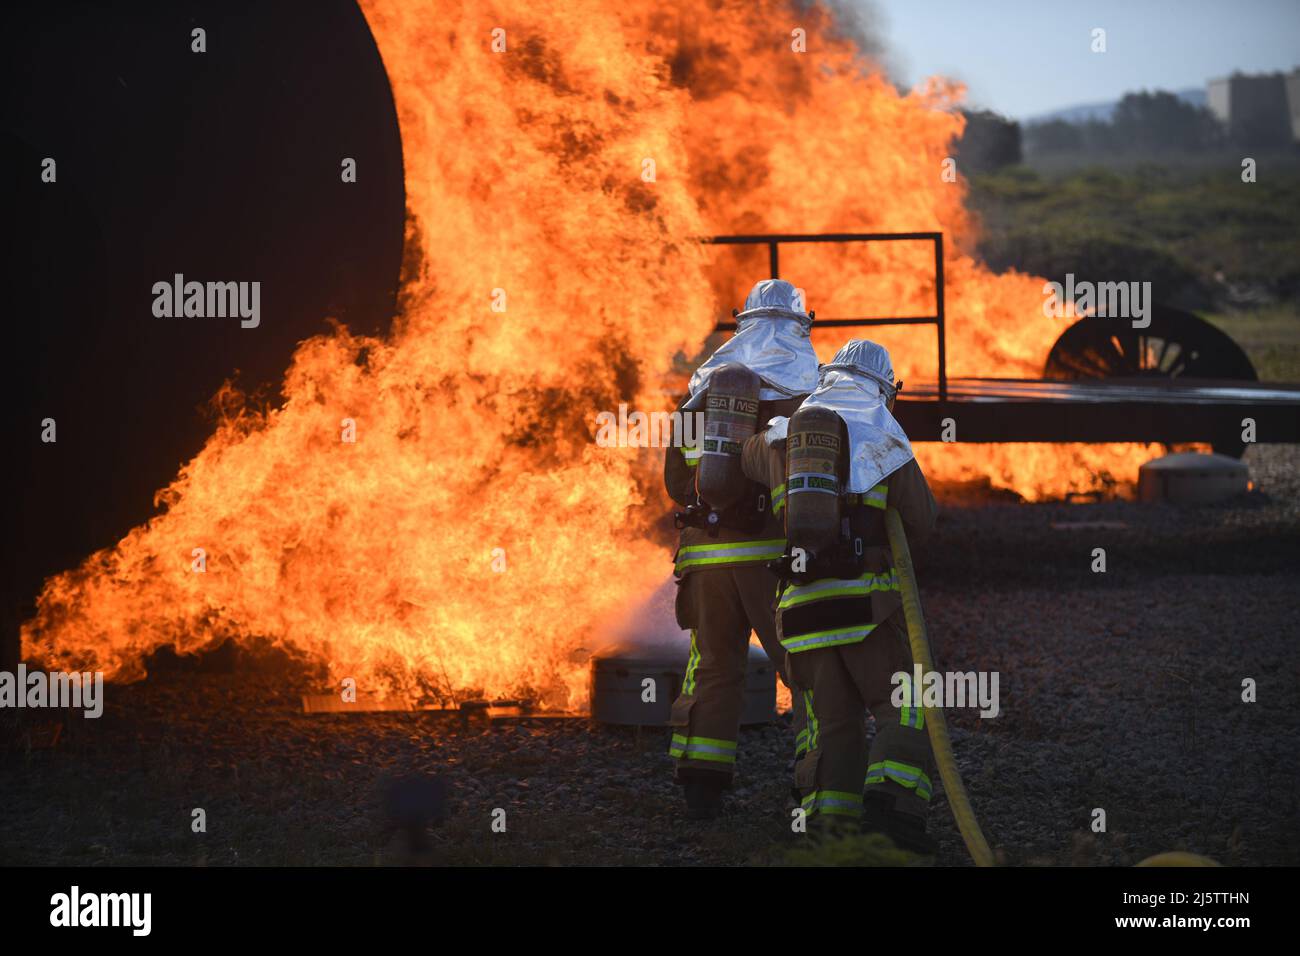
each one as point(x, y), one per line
point(824, 589)
point(735, 552)
point(778, 499)
point(876, 497)
point(691, 456)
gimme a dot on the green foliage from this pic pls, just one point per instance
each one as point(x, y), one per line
point(1270, 336)
point(1157, 123)
point(848, 848)
point(1203, 237)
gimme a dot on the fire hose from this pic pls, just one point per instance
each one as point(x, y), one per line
point(938, 728)
point(934, 722)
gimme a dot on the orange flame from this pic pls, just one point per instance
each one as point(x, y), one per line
point(473, 539)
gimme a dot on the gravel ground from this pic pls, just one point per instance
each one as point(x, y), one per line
point(1119, 691)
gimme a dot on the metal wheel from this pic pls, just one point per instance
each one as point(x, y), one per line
point(1176, 344)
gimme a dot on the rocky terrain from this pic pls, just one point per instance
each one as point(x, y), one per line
point(1120, 691)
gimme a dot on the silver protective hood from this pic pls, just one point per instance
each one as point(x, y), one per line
point(771, 340)
point(856, 385)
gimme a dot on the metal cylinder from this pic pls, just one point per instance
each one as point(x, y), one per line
point(730, 417)
point(814, 468)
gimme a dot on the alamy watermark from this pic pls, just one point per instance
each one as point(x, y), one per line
point(1117, 300)
point(648, 429)
point(947, 689)
point(208, 300)
point(75, 908)
point(58, 689)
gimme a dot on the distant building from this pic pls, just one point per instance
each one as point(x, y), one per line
point(1257, 110)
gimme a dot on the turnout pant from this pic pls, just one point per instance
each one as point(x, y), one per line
point(720, 606)
point(840, 684)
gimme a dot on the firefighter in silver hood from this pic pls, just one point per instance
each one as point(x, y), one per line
point(840, 461)
point(730, 531)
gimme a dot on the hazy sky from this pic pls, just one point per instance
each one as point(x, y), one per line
point(1024, 57)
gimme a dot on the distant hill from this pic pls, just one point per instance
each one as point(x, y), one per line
point(1102, 112)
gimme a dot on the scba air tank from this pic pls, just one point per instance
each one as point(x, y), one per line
point(730, 417)
point(815, 466)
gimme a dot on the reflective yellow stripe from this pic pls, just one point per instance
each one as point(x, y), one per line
point(736, 552)
point(702, 748)
point(767, 543)
point(814, 728)
point(903, 774)
point(692, 662)
point(715, 742)
point(829, 638)
point(911, 714)
point(832, 803)
point(824, 589)
point(877, 497)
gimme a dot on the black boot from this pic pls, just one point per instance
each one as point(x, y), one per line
point(703, 789)
point(907, 830)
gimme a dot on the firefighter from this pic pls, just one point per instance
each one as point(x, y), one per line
point(840, 461)
point(725, 588)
